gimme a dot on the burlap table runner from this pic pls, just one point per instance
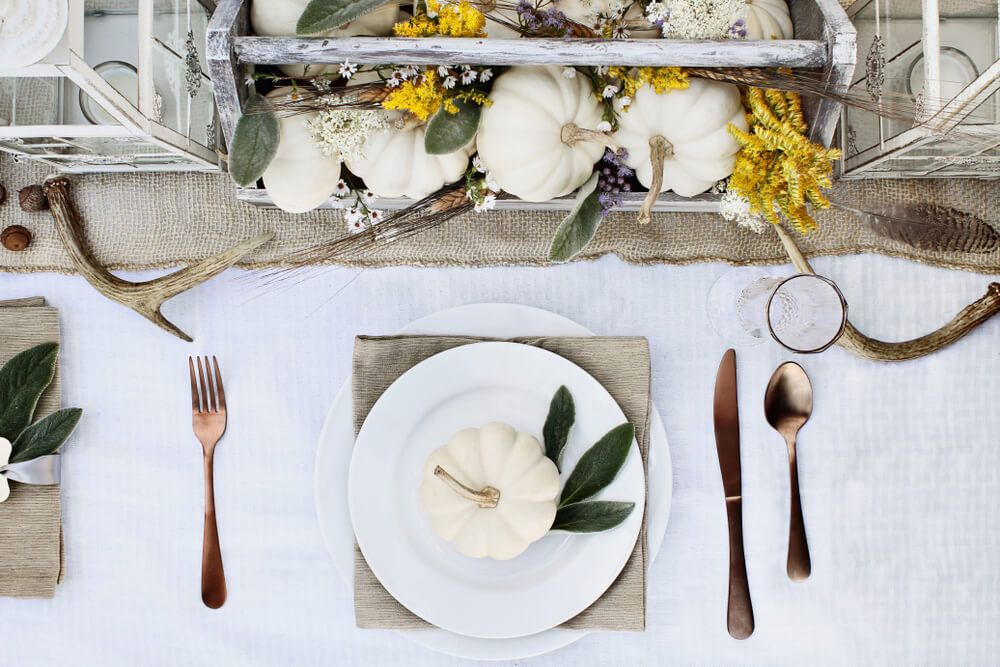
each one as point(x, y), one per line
point(31, 547)
point(620, 364)
point(142, 221)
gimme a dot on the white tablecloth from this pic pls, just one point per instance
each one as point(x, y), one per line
point(900, 469)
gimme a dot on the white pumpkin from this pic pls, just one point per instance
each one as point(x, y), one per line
point(396, 164)
point(278, 18)
point(300, 177)
point(699, 150)
point(581, 11)
point(490, 491)
point(768, 19)
point(525, 134)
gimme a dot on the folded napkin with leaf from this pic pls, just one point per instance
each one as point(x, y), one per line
point(620, 364)
point(31, 545)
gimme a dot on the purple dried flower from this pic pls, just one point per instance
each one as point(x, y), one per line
point(738, 30)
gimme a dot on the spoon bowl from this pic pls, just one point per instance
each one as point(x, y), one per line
point(788, 404)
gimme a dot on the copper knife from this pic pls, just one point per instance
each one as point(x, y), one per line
point(727, 441)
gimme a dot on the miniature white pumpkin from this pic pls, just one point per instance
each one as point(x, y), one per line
point(539, 136)
point(768, 19)
point(396, 165)
point(678, 140)
point(490, 491)
point(583, 11)
point(300, 177)
point(278, 18)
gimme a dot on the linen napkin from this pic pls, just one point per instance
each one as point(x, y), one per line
point(31, 545)
point(620, 364)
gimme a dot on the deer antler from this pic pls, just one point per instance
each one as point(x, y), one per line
point(854, 341)
point(147, 297)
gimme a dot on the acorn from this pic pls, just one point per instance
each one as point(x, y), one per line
point(32, 199)
point(15, 238)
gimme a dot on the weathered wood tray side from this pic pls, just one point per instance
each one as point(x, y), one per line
point(825, 41)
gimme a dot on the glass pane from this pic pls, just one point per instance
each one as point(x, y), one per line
point(30, 101)
point(86, 151)
point(180, 71)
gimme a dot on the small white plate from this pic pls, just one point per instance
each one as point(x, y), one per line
point(555, 578)
point(30, 30)
point(336, 443)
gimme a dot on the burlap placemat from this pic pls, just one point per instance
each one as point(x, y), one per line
point(620, 364)
point(31, 547)
point(143, 221)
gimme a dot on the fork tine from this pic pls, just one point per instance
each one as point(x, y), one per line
point(211, 386)
point(201, 382)
point(218, 383)
point(195, 405)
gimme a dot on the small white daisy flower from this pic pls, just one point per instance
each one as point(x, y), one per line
point(625, 100)
point(367, 197)
point(604, 126)
point(487, 204)
point(609, 91)
point(343, 189)
point(375, 216)
point(394, 80)
point(249, 81)
point(477, 162)
point(442, 71)
point(468, 77)
point(569, 72)
point(601, 70)
point(486, 75)
point(449, 82)
point(347, 69)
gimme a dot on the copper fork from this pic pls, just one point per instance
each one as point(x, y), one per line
point(208, 415)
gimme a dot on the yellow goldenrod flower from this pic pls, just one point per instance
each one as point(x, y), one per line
point(445, 19)
point(778, 169)
point(421, 98)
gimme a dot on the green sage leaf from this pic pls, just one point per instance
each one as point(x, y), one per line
point(599, 465)
point(45, 436)
point(577, 228)
point(562, 414)
point(322, 15)
point(22, 381)
point(449, 132)
point(255, 142)
point(591, 517)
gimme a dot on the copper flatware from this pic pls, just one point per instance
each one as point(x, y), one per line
point(788, 403)
point(208, 416)
point(727, 441)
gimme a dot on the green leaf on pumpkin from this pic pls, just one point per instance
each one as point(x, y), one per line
point(578, 228)
point(255, 142)
point(562, 414)
point(22, 381)
point(45, 436)
point(591, 517)
point(449, 132)
point(322, 15)
point(599, 465)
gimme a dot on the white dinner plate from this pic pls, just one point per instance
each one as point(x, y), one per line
point(336, 442)
point(558, 576)
point(30, 30)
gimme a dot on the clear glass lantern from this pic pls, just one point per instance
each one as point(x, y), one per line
point(125, 89)
point(938, 60)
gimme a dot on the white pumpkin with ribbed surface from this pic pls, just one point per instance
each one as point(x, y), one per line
point(396, 165)
point(581, 11)
point(490, 491)
point(523, 133)
point(768, 19)
point(300, 177)
point(699, 149)
point(278, 18)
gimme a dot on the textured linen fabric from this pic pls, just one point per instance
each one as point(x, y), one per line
point(31, 554)
point(173, 219)
point(899, 470)
point(620, 364)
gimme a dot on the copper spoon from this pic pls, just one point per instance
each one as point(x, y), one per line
point(788, 404)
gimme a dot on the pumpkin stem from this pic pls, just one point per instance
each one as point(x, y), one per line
point(573, 133)
point(487, 498)
point(659, 150)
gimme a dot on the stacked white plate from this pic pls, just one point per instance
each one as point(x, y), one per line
point(558, 576)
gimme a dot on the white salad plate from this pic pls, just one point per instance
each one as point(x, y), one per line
point(336, 447)
point(30, 30)
point(555, 578)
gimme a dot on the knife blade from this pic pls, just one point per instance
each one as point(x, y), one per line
point(726, 412)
